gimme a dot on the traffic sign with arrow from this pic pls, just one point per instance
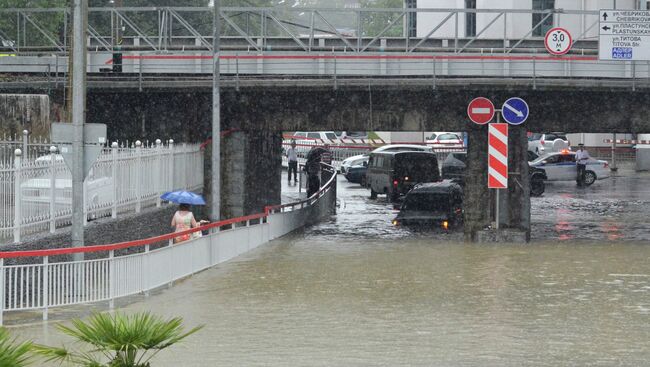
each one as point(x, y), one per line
point(515, 111)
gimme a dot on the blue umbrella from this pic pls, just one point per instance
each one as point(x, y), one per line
point(183, 197)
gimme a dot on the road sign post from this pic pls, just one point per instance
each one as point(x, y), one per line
point(624, 35)
point(558, 41)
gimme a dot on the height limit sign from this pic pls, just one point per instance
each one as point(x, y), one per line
point(624, 35)
point(558, 41)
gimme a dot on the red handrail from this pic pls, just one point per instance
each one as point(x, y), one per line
point(150, 240)
point(127, 244)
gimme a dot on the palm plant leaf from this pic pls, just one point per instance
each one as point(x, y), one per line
point(123, 340)
point(12, 353)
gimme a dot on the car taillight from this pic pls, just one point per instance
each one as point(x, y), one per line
point(541, 141)
point(606, 165)
point(395, 182)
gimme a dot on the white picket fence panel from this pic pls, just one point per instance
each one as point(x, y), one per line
point(46, 284)
point(35, 194)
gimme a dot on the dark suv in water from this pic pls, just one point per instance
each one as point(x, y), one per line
point(434, 205)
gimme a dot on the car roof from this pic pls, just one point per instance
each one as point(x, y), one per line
point(404, 152)
point(414, 146)
point(440, 187)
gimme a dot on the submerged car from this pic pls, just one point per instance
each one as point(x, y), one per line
point(561, 166)
point(434, 205)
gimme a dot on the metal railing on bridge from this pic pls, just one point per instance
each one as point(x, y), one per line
point(35, 193)
point(171, 47)
point(299, 29)
point(130, 268)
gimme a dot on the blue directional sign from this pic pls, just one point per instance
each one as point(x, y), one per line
point(515, 111)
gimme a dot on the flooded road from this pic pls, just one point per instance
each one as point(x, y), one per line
point(356, 291)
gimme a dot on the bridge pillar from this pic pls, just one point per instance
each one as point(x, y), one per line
point(517, 215)
point(476, 211)
point(479, 200)
point(251, 164)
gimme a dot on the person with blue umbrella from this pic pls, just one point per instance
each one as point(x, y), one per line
point(183, 219)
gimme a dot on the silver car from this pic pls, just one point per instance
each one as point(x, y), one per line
point(547, 143)
point(561, 166)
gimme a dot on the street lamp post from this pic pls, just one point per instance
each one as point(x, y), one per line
point(215, 207)
point(80, 14)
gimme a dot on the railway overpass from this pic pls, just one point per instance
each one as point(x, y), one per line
point(282, 75)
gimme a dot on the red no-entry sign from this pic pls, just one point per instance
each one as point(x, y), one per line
point(480, 110)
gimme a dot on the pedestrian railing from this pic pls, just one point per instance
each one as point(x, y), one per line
point(124, 269)
point(36, 192)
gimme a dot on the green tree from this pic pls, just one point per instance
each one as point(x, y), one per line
point(375, 22)
point(118, 340)
point(12, 353)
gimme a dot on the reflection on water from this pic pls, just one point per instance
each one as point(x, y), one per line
point(356, 291)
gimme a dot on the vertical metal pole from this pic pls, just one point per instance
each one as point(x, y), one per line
point(359, 41)
point(111, 278)
point(160, 179)
point(613, 166)
point(433, 74)
point(53, 189)
point(171, 165)
point(114, 177)
point(146, 271)
point(496, 211)
point(18, 219)
point(80, 12)
point(215, 207)
point(456, 32)
point(2, 289)
point(496, 219)
point(25, 144)
point(138, 170)
point(46, 286)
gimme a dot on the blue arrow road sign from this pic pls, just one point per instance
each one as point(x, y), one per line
point(515, 111)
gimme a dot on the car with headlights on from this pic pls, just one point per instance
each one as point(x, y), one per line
point(433, 205)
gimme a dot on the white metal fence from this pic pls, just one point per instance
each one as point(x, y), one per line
point(35, 193)
point(51, 284)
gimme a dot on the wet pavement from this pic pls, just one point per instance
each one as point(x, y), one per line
point(613, 209)
point(357, 291)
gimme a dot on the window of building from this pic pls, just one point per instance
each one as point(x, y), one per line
point(548, 22)
point(412, 17)
point(470, 19)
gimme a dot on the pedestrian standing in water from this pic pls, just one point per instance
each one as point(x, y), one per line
point(582, 157)
point(183, 220)
point(292, 157)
